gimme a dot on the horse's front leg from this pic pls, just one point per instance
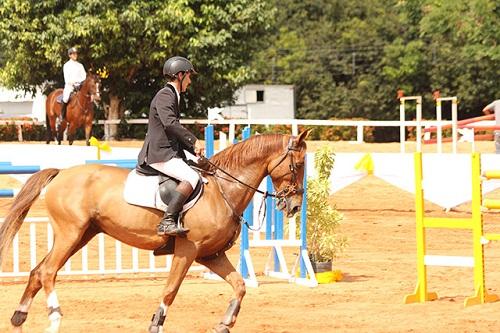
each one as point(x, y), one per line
point(221, 266)
point(88, 127)
point(71, 132)
point(184, 255)
point(60, 131)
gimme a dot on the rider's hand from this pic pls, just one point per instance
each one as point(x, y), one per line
point(199, 148)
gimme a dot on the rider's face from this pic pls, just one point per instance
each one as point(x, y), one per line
point(73, 56)
point(186, 82)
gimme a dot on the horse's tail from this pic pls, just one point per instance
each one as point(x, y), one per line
point(21, 206)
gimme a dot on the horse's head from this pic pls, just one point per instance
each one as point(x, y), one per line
point(287, 174)
point(94, 86)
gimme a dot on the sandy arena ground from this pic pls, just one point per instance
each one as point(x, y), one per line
point(379, 269)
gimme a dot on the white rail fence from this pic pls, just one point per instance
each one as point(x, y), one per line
point(294, 123)
point(26, 254)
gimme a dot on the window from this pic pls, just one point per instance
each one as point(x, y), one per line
point(260, 95)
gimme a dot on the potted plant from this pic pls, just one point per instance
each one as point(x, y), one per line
point(324, 242)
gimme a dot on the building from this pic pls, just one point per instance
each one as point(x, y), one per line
point(17, 104)
point(259, 101)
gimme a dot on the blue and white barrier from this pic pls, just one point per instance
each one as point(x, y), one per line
point(301, 272)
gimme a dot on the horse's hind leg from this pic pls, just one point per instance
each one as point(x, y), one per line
point(221, 266)
point(184, 255)
point(51, 129)
point(44, 275)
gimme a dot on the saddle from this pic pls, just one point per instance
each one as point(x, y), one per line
point(155, 191)
point(76, 88)
point(147, 189)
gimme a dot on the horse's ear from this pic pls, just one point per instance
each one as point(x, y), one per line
point(303, 135)
point(297, 141)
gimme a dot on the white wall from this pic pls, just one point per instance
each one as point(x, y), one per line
point(18, 104)
point(278, 102)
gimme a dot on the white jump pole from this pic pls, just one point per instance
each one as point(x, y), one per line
point(418, 116)
point(454, 120)
point(439, 118)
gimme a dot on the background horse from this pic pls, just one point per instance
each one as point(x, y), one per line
point(85, 200)
point(79, 112)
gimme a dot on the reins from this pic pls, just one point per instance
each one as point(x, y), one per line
point(280, 196)
point(87, 98)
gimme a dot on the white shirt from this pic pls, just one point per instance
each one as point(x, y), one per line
point(73, 72)
point(176, 92)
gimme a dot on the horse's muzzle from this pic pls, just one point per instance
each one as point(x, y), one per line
point(292, 207)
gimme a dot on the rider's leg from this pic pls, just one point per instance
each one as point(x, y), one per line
point(168, 224)
point(177, 169)
point(66, 94)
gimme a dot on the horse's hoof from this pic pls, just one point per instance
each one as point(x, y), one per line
point(221, 328)
point(156, 329)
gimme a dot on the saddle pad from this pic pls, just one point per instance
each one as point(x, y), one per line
point(143, 191)
point(59, 99)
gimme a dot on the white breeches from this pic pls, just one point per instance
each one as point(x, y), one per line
point(68, 89)
point(179, 170)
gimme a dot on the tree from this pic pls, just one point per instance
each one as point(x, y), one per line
point(347, 59)
point(132, 39)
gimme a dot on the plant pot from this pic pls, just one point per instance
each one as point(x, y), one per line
point(324, 272)
point(322, 266)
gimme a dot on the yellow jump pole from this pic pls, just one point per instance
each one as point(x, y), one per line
point(481, 295)
point(421, 295)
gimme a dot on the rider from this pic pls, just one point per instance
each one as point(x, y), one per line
point(74, 74)
point(166, 138)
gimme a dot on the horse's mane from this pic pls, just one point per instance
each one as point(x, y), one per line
point(255, 146)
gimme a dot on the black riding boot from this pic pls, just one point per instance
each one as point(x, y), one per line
point(168, 225)
point(63, 110)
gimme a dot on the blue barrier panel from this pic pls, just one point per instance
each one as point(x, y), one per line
point(18, 169)
point(6, 193)
point(303, 222)
point(5, 163)
point(269, 208)
point(127, 163)
point(247, 216)
point(209, 141)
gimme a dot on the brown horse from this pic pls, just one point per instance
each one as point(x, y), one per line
point(79, 112)
point(85, 200)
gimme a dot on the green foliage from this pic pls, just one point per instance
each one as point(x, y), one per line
point(324, 242)
point(347, 59)
point(133, 39)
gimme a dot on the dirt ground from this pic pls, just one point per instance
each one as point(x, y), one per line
point(379, 269)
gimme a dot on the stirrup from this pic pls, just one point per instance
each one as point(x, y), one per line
point(168, 227)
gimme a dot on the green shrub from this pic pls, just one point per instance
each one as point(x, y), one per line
point(324, 242)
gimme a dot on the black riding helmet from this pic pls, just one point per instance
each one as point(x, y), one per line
point(72, 50)
point(176, 65)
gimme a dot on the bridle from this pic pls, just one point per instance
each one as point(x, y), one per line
point(293, 187)
point(89, 96)
point(290, 189)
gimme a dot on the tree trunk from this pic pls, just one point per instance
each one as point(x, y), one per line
point(114, 112)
